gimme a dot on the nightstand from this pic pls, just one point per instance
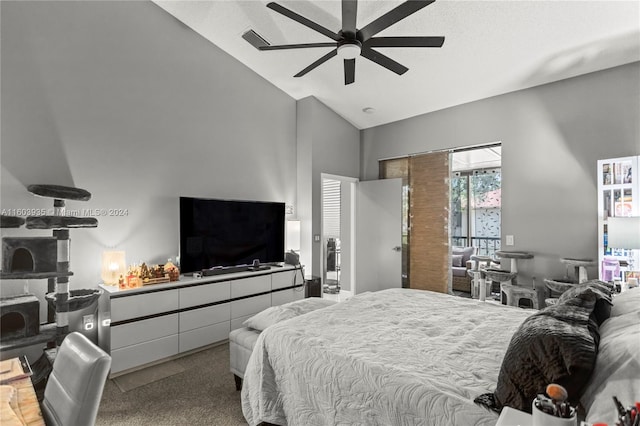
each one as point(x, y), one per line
point(512, 417)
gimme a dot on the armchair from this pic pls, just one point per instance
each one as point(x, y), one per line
point(460, 264)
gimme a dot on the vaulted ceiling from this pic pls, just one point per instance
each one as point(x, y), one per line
point(490, 48)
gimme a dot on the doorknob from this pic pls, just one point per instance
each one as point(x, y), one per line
point(397, 248)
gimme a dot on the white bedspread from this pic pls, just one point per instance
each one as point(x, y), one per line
point(394, 357)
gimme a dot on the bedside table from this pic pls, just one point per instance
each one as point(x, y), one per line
point(512, 417)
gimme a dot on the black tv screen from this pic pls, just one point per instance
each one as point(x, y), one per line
point(229, 233)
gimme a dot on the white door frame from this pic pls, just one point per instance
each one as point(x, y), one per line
point(351, 211)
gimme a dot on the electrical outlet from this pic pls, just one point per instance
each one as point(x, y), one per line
point(87, 322)
point(510, 240)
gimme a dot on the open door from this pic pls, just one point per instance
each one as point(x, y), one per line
point(378, 239)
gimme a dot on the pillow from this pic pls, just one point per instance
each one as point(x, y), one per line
point(466, 253)
point(456, 260)
point(625, 302)
point(558, 344)
point(594, 294)
point(276, 314)
point(617, 367)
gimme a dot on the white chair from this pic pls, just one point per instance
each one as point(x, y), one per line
point(74, 388)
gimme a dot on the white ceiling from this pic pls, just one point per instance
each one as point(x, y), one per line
point(490, 48)
point(480, 158)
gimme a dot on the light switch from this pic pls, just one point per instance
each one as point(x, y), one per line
point(509, 240)
point(316, 238)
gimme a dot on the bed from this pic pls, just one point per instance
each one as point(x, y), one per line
point(393, 357)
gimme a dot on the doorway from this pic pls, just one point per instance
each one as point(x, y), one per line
point(477, 225)
point(476, 182)
point(337, 236)
point(368, 213)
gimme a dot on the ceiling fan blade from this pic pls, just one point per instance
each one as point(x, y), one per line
point(304, 21)
point(394, 15)
point(383, 60)
point(349, 13)
point(320, 61)
point(405, 42)
point(296, 46)
point(349, 71)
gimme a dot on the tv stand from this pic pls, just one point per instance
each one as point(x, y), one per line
point(149, 324)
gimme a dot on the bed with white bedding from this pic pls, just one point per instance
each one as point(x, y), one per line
point(413, 357)
point(401, 357)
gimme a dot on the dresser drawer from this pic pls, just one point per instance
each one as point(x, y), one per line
point(203, 294)
point(285, 279)
point(280, 297)
point(250, 305)
point(204, 316)
point(142, 331)
point(249, 286)
point(123, 308)
point(203, 336)
point(143, 353)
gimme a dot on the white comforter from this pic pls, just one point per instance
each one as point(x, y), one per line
point(394, 357)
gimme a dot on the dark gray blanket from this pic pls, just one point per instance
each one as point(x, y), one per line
point(558, 344)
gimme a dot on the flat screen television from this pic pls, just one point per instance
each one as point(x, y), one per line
point(229, 233)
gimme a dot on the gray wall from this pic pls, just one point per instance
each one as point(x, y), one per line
point(551, 136)
point(121, 99)
point(326, 144)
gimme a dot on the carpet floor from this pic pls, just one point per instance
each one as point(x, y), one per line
point(203, 394)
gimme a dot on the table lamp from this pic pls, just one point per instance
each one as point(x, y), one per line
point(293, 235)
point(113, 266)
point(624, 232)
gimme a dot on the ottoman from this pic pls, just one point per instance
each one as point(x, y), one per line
point(241, 342)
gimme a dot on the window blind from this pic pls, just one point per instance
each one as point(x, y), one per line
point(331, 208)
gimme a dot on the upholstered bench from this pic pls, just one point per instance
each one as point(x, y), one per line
point(242, 340)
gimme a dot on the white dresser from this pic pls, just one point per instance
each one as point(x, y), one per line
point(145, 325)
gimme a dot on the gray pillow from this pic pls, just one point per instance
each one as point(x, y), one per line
point(456, 260)
point(275, 314)
point(466, 253)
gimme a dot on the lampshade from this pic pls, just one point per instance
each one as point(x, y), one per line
point(113, 265)
point(623, 232)
point(293, 235)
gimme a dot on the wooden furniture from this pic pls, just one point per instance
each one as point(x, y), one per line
point(23, 406)
point(149, 324)
point(618, 195)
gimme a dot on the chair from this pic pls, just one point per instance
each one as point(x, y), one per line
point(74, 389)
point(461, 263)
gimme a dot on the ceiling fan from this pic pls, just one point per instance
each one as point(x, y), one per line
point(351, 42)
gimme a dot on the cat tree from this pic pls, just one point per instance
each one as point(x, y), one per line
point(40, 258)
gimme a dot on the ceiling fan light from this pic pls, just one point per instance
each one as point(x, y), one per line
point(349, 51)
